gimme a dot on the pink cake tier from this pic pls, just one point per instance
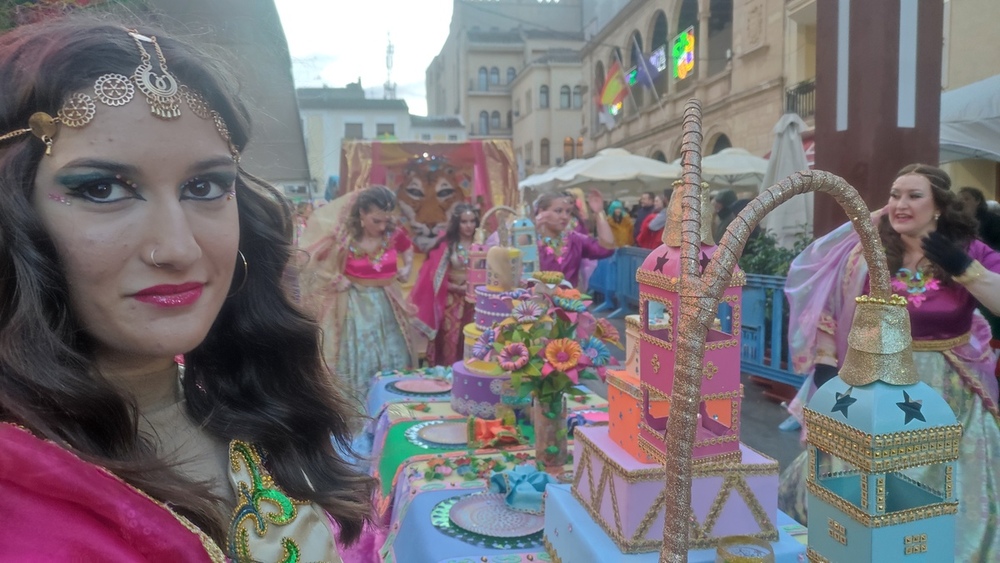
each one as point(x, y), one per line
point(475, 394)
point(626, 497)
point(493, 305)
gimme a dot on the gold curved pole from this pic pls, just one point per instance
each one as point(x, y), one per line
point(502, 230)
point(699, 298)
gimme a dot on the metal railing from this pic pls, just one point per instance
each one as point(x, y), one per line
point(801, 98)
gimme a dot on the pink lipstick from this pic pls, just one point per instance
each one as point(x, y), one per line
point(165, 295)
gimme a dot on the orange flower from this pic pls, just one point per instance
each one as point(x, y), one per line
point(568, 293)
point(563, 354)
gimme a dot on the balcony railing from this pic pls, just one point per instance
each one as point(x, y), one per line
point(801, 98)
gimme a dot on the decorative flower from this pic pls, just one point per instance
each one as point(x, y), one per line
point(569, 293)
point(527, 311)
point(514, 356)
point(597, 352)
point(563, 354)
point(549, 277)
point(484, 344)
point(571, 305)
point(607, 331)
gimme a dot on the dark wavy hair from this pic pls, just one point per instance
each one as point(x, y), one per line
point(954, 223)
point(258, 375)
point(372, 197)
point(453, 234)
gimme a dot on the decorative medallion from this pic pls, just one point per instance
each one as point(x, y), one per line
point(78, 110)
point(655, 362)
point(114, 89)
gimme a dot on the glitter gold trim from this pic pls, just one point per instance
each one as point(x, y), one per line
point(734, 478)
point(879, 345)
point(880, 520)
point(941, 345)
point(649, 339)
point(672, 283)
point(550, 550)
point(883, 453)
point(624, 386)
point(815, 557)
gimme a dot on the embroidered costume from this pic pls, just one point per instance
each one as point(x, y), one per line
point(443, 313)
point(952, 355)
point(367, 328)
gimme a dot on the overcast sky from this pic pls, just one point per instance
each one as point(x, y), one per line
point(335, 42)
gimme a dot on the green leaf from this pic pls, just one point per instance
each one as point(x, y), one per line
point(552, 450)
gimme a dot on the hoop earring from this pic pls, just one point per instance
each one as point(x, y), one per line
point(152, 258)
point(246, 274)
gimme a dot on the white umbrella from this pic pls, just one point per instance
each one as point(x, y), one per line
point(732, 168)
point(615, 172)
point(793, 218)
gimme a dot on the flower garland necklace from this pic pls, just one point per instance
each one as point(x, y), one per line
point(374, 257)
point(915, 283)
point(554, 245)
point(463, 255)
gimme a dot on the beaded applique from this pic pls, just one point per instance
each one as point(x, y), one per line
point(555, 246)
point(914, 285)
point(374, 257)
point(259, 503)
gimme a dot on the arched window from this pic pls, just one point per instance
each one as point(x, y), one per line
point(494, 75)
point(721, 142)
point(543, 97)
point(495, 120)
point(688, 17)
point(544, 157)
point(635, 57)
point(527, 101)
point(517, 106)
point(720, 35)
point(483, 78)
point(510, 119)
point(511, 74)
point(579, 147)
point(568, 149)
point(658, 155)
point(484, 123)
point(598, 88)
point(660, 41)
point(564, 97)
point(577, 97)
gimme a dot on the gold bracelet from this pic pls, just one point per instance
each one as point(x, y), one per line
point(971, 274)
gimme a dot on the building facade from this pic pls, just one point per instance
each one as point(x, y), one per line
point(504, 70)
point(736, 70)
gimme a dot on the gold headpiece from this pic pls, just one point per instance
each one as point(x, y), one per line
point(162, 91)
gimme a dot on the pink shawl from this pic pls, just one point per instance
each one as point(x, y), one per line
point(58, 507)
point(430, 292)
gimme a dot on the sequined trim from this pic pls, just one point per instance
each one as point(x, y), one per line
point(941, 345)
point(249, 510)
point(883, 453)
point(672, 283)
point(880, 520)
point(734, 479)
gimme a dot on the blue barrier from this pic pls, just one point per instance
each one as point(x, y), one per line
point(603, 281)
point(630, 258)
point(763, 352)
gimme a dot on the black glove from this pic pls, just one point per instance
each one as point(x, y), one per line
point(823, 374)
point(946, 254)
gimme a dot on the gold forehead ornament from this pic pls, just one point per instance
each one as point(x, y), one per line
point(161, 89)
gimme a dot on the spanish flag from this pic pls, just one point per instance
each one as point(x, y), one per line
point(615, 90)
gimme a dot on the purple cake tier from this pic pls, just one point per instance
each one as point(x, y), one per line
point(491, 307)
point(476, 394)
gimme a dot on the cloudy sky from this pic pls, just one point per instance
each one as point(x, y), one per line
point(335, 42)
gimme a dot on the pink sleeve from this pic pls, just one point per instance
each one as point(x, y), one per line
point(989, 258)
point(591, 248)
point(400, 241)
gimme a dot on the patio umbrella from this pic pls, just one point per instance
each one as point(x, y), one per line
point(793, 218)
point(733, 168)
point(614, 172)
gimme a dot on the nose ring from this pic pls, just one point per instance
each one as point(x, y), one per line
point(152, 258)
